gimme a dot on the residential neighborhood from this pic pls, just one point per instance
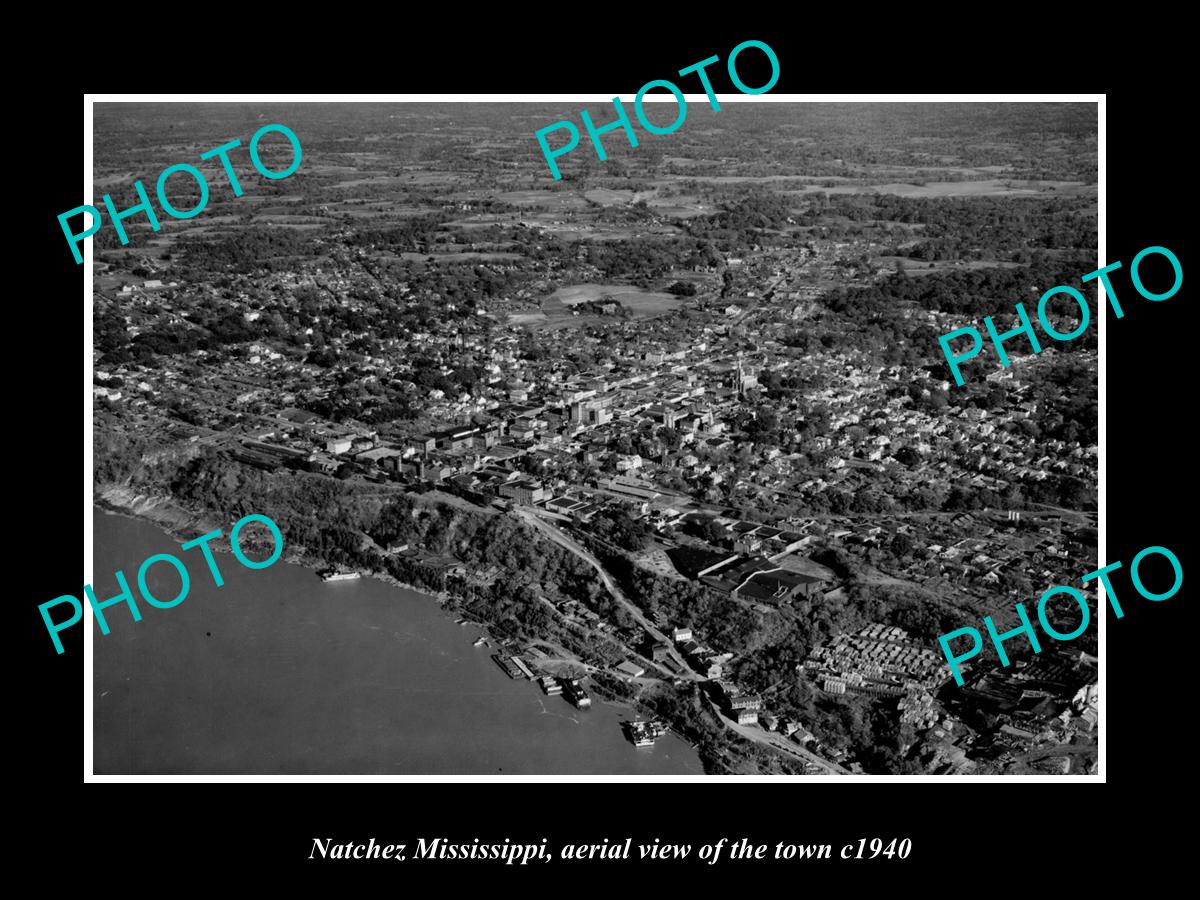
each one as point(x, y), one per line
point(688, 441)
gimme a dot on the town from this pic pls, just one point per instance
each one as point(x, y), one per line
point(674, 430)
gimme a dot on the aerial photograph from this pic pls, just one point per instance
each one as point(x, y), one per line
point(654, 469)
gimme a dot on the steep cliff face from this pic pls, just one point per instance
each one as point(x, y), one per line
point(157, 508)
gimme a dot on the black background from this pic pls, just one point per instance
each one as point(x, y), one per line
point(967, 834)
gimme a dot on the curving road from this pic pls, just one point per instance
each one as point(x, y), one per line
point(567, 543)
point(777, 742)
point(757, 735)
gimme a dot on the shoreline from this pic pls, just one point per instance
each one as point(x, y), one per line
point(173, 518)
point(183, 525)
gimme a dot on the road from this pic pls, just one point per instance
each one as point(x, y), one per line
point(556, 535)
point(777, 742)
point(757, 735)
point(1070, 750)
point(1083, 515)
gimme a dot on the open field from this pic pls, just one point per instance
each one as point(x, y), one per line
point(258, 200)
point(378, 209)
point(558, 321)
point(117, 181)
point(680, 208)
point(298, 225)
point(737, 179)
point(526, 318)
point(555, 200)
point(373, 181)
point(330, 168)
point(642, 303)
point(580, 232)
point(990, 187)
point(484, 220)
point(607, 197)
point(559, 312)
point(917, 267)
point(417, 177)
point(288, 219)
point(457, 257)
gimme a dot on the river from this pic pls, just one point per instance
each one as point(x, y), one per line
point(278, 672)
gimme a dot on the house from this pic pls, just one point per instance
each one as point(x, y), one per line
point(709, 668)
point(745, 701)
point(435, 470)
point(442, 564)
point(627, 462)
point(631, 669)
point(747, 544)
point(322, 464)
point(747, 716)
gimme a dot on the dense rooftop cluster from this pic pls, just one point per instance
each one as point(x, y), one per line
point(720, 385)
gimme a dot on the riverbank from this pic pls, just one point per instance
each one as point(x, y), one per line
point(276, 672)
point(183, 525)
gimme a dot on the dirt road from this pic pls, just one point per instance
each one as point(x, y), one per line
point(778, 742)
point(750, 733)
point(555, 534)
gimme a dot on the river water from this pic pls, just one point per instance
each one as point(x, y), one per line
point(278, 672)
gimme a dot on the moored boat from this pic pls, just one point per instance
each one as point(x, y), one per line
point(573, 690)
point(644, 734)
point(334, 575)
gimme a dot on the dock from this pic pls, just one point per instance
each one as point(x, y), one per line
point(513, 666)
point(507, 666)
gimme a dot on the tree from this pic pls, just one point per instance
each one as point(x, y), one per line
point(902, 546)
point(618, 527)
point(712, 531)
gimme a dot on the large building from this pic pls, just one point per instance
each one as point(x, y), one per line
point(524, 491)
point(759, 580)
point(594, 411)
